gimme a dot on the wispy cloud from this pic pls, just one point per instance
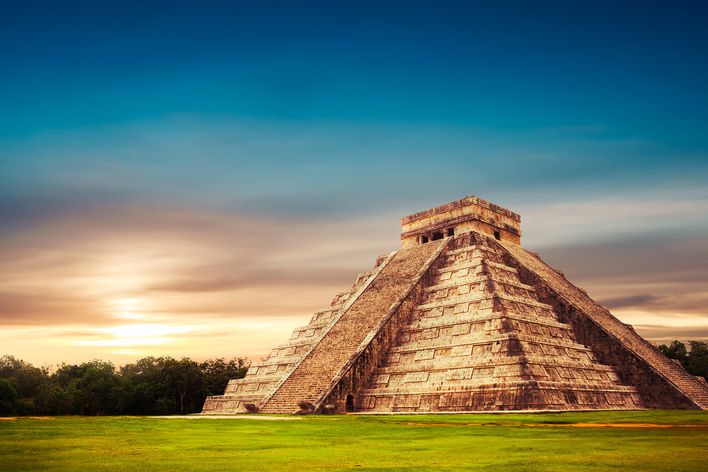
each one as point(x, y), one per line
point(656, 283)
point(217, 236)
point(332, 168)
point(160, 278)
point(636, 213)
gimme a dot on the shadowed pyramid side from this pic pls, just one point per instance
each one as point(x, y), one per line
point(661, 382)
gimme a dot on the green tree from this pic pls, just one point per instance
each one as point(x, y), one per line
point(151, 385)
point(697, 359)
point(146, 386)
point(218, 372)
point(8, 396)
point(31, 384)
point(184, 378)
point(94, 388)
point(676, 350)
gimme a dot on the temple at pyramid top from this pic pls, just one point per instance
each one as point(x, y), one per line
point(458, 217)
point(461, 318)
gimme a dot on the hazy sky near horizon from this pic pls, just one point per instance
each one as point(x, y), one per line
point(196, 179)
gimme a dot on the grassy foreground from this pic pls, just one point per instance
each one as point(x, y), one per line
point(652, 440)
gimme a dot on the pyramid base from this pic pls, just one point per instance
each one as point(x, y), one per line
point(502, 398)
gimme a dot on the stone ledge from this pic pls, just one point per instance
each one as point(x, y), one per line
point(523, 338)
point(487, 361)
point(473, 279)
point(499, 386)
point(471, 199)
point(453, 320)
point(472, 248)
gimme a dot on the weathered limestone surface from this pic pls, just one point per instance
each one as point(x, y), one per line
point(462, 319)
point(461, 216)
point(263, 376)
point(311, 378)
point(481, 340)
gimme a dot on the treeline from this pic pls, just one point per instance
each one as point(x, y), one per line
point(150, 386)
point(694, 360)
point(163, 385)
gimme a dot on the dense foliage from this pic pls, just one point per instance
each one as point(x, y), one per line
point(150, 386)
point(695, 360)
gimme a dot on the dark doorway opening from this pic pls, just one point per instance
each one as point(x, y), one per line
point(497, 234)
point(450, 232)
point(423, 239)
point(437, 235)
point(349, 405)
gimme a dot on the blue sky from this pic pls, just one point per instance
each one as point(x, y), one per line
point(140, 122)
point(526, 95)
point(502, 65)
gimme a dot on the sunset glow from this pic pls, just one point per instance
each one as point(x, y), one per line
point(127, 308)
point(136, 335)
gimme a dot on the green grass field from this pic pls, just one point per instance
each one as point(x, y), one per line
point(650, 440)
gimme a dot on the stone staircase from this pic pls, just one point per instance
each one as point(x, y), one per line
point(480, 339)
point(311, 378)
point(264, 375)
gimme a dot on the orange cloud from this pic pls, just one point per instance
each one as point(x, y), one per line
point(108, 280)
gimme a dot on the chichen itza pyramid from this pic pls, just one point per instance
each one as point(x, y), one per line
point(462, 318)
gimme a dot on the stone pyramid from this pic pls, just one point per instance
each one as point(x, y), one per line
point(462, 318)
